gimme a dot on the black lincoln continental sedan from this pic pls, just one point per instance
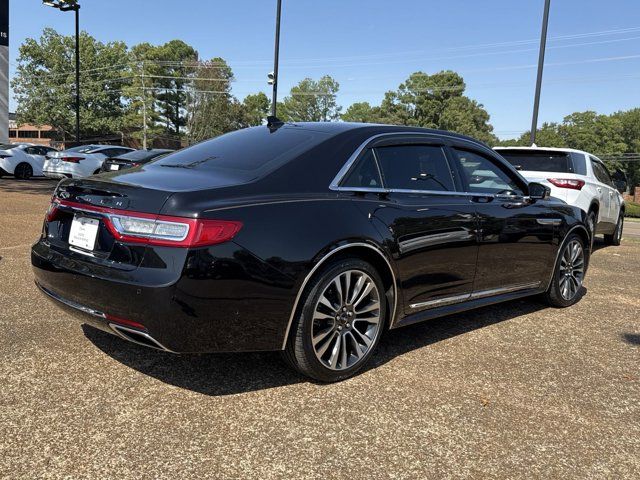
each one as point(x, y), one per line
point(309, 238)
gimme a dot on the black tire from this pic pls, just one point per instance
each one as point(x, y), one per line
point(300, 352)
point(97, 172)
point(616, 237)
point(23, 171)
point(555, 296)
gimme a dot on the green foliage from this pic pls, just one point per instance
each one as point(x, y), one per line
point(430, 101)
point(212, 109)
point(632, 210)
point(44, 83)
point(311, 101)
point(256, 108)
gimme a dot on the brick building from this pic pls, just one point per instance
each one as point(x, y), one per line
point(42, 135)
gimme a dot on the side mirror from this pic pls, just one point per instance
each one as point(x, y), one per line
point(537, 191)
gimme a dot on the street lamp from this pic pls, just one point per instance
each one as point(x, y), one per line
point(68, 6)
point(273, 76)
point(543, 44)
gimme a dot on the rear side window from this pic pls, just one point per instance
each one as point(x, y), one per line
point(247, 153)
point(542, 161)
point(365, 174)
point(415, 167)
point(481, 175)
point(601, 172)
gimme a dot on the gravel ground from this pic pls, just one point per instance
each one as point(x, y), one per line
point(511, 391)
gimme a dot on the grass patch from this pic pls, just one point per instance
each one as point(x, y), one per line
point(632, 210)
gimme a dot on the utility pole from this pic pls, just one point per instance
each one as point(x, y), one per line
point(144, 110)
point(274, 100)
point(543, 44)
point(77, 10)
point(4, 71)
point(67, 6)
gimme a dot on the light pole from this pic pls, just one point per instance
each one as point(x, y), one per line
point(543, 44)
point(68, 6)
point(273, 76)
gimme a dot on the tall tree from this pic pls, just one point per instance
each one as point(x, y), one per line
point(312, 101)
point(362, 112)
point(256, 108)
point(212, 109)
point(45, 81)
point(431, 101)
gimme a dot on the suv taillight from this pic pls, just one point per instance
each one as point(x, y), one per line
point(571, 183)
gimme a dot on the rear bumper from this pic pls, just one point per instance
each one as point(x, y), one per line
point(219, 299)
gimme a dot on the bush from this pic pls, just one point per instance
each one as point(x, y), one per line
point(632, 210)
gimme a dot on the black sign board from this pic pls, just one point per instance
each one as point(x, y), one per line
point(4, 23)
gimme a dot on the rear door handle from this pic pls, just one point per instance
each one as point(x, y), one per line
point(482, 198)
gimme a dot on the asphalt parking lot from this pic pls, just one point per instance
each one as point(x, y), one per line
point(517, 390)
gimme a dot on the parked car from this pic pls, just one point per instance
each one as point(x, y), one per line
point(132, 159)
point(307, 238)
point(578, 178)
point(81, 161)
point(23, 160)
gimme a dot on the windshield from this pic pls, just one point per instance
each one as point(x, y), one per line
point(245, 154)
point(539, 161)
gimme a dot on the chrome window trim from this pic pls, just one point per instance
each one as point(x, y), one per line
point(335, 183)
point(319, 264)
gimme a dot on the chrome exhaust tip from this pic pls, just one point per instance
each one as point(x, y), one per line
point(136, 336)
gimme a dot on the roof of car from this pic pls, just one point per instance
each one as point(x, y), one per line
point(544, 149)
point(376, 128)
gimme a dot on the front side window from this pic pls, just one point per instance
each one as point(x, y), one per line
point(481, 175)
point(365, 173)
point(415, 167)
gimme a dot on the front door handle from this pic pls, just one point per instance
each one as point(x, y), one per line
point(482, 198)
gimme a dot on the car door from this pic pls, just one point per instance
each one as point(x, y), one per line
point(606, 191)
point(36, 156)
point(430, 227)
point(516, 237)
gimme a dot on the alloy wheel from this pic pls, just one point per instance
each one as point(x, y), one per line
point(571, 269)
point(346, 320)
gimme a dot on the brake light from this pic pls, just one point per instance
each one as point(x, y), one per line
point(72, 159)
point(52, 211)
point(570, 183)
point(159, 230)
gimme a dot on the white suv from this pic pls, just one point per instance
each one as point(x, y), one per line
point(578, 178)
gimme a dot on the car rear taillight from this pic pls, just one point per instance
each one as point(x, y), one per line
point(72, 159)
point(52, 211)
point(160, 230)
point(571, 183)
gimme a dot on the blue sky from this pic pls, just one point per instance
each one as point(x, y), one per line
point(371, 46)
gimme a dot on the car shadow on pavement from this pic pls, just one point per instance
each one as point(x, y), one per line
point(227, 374)
point(632, 338)
point(36, 186)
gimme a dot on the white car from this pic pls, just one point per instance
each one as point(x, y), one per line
point(578, 178)
point(82, 161)
point(23, 160)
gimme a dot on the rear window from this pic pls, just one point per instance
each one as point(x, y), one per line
point(539, 161)
point(83, 148)
point(143, 154)
point(247, 153)
point(7, 146)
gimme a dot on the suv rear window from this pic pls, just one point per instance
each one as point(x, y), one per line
point(246, 154)
point(539, 161)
